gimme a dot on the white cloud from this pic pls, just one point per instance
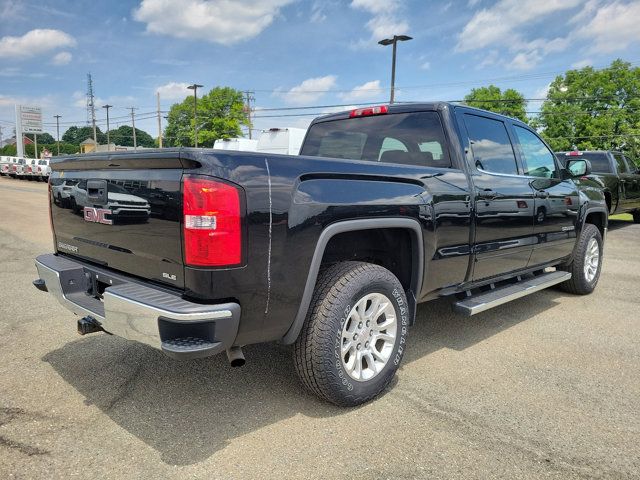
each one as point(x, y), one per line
point(173, 91)
point(473, 3)
point(308, 91)
point(613, 27)
point(500, 23)
point(581, 64)
point(318, 14)
point(35, 42)
point(62, 58)
point(525, 60)
point(220, 21)
point(385, 21)
point(425, 65)
point(366, 91)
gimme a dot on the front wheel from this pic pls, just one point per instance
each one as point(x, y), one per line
point(354, 336)
point(587, 262)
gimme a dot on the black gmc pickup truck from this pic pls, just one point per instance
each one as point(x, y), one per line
point(331, 250)
point(618, 177)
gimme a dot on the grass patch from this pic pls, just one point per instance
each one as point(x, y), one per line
point(625, 217)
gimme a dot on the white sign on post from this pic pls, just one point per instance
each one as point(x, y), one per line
point(31, 119)
point(28, 120)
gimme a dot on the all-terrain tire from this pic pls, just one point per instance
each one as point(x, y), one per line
point(579, 284)
point(318, 356)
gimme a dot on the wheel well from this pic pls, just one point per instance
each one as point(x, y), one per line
point(599, 219)
point(391, 248)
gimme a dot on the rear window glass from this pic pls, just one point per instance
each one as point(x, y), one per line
point(622, 165)
point(491, 146)
point(404, 138)
point(599, 161)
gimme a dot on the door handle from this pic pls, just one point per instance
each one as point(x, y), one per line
point(542, 194)
point(488, 194)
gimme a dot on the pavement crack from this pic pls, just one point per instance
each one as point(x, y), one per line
point(28, 450)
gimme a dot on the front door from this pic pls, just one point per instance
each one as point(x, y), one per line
point(556, 200)
point(504, 205)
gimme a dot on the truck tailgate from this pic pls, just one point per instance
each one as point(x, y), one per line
point(122, 214)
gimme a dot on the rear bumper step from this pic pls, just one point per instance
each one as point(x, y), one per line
point(493, 298)
point(165, 321)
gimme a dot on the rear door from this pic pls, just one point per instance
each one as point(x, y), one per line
point(556, 201)
point(122, 214)
point(504, 205)
point(629, 186)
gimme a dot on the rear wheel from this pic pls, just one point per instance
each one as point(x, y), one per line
point(587, 262)
point(354, 336)
point(636, 216)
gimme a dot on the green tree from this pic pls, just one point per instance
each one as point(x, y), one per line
point(123, 135)
point(221, 114)
point(510, 102)
point(42, 138)
point(77, 135)
point(594, 109)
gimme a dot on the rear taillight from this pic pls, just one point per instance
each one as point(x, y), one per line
point(212, 223)
point(369, 111)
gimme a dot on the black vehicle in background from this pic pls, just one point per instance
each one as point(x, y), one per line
point(330, 250)
point(618, 176)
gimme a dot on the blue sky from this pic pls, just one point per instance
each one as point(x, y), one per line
point(294, 53)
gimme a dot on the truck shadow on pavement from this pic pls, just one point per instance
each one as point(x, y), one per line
point(615, 224)
point(188, 411)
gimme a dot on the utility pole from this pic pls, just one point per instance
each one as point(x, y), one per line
point(91, 107)
point(133, 123)
point(250, 98)
point(159, 121)
point(35, 145)
point(1, 136)
point(394, 41)
point(107, 107)
point(195, 87)
point(57, 117)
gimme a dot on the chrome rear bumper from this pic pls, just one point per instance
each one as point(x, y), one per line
point(138, 312)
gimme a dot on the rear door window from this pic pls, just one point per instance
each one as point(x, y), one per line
point(490, 144)
point(621, 164)
point(404, 138)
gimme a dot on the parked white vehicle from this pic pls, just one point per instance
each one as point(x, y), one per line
point(19, 167)
point(121, 203)
point(284, 141)
point(236, 144)
point(4, 165)
point(29, 169)
point(42, 170)
point(61, 191)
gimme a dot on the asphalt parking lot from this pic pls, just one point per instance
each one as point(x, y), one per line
point(544, 387)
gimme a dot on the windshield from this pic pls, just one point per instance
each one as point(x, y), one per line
point(599, 160)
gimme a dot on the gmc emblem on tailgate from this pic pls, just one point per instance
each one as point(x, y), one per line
point(97, 215)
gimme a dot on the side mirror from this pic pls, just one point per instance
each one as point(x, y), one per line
point(578, 167)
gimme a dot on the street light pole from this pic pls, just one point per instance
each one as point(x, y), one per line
point(57, 117)
point(195, 87)
point(107, 107)
point(394, 41)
